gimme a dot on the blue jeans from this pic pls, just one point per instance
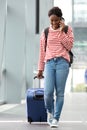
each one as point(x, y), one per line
point(55, 73)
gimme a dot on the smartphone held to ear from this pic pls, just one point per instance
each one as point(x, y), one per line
point(62, 19)
point(62, 22)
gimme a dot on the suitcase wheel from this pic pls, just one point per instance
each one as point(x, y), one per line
point(29, 120)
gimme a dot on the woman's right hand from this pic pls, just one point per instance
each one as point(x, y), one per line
point(40, 74)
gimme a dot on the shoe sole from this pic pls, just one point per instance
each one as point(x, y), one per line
point(53, 126)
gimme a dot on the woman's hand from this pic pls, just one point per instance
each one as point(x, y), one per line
point(62, 25)
point(40, 74)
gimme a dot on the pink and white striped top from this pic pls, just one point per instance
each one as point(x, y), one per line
point(57, 42)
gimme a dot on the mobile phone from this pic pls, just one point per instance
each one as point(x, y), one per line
point(62, 19)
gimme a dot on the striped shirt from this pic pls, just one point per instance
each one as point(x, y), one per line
point(58, 45)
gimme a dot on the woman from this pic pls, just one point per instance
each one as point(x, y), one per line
point(55, 64)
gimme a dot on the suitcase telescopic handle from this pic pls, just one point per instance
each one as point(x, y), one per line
point(38, 79)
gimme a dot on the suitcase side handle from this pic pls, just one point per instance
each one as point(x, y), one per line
point(38, 95)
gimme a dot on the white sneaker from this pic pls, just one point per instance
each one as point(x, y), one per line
point(49, 118)
point(54, 123)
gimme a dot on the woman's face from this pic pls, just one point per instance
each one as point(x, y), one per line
point(55, 21)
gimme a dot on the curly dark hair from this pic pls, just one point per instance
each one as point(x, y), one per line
point(56, 11)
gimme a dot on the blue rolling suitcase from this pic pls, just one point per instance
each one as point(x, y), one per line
point(36, 111)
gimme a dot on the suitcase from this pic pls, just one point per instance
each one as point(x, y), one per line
point(36, 111)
